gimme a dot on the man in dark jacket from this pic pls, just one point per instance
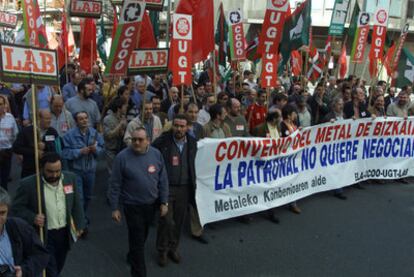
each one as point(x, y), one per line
point(49, 142)
point(21, 251)
point(62, 217)
point(178, 149)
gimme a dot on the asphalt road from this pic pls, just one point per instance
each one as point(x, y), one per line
point(370, 234)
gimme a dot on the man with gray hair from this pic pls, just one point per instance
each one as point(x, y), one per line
point(21, 251)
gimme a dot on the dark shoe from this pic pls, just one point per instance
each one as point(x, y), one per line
point(162, 259)
point(340, 196)
point(174, 256)
point(85, 233)
point(201, 239)
point(295, 209)
point(246, 219)
point(358, 186)
point(273, 218)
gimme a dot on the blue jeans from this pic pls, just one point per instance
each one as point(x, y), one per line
point(85, 181)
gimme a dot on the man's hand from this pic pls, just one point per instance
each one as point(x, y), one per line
point(92, 148)
point(39, 220)
point(19, 272)
point(85, 150)
point(116, 215)
point(163, 210)
point(41, 146)
point(79, 233)
point(373, 116)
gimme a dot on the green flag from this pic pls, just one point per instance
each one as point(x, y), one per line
point(353, 25)
point(102, 42)
point(222, 37)
point(296, 30)
point(405, 69)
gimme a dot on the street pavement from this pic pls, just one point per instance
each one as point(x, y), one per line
point(370, 234)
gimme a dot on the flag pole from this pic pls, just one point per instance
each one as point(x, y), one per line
point(167, 35)
point(36, 153)
point(182, 99)
point(214, 72)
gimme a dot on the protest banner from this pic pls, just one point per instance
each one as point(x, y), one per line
point(91, 9)
point(181, 49)
point(21, 64)
point(360, 40)
point(237, 41)
point(125, 38)
point(238, 176)
point(8, 20)
point(145, 61)
point(152, 5)
point(336, 28)
point(272, 29)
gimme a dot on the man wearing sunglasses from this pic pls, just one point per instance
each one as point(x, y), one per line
point(139, 183)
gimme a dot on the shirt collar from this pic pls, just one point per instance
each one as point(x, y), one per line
point(51, 186)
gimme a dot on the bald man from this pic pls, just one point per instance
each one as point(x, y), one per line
point(62, 119)
point(24, 144)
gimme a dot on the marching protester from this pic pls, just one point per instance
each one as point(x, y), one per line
point(62, 120)
point(21, 251)
point(236, 122)
point(195, 129)
point(216, 127)
point(62, 219)
point(71, 89)
point(43, 96)
point(139, 194)
point(152, 124)
point(178, 149)
point(83, 102)
point(82, 146)
point(49, 141)
point(8, 134)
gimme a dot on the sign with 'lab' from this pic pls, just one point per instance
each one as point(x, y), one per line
point(8, 20)
point(21, 64)
point(145, 61)
point(91, 9)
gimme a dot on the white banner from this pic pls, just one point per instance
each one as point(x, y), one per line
point(238, 176)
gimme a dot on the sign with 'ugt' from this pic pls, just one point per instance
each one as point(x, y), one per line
point(20, 64)
point(181, 49)
point(126, 36)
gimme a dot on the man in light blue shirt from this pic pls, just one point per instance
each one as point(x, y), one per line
point(71, 89)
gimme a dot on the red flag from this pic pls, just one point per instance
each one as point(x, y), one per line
point(63, 43)
point(373, 68)
point(343, 66)
point(316, 69)
point(269, 70)
point(296, 62)
point(88, 54)
point(115, 24)
point(203, 26)
point(146, 39)
point(387, 60)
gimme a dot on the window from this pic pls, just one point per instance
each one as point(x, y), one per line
point(410, 9)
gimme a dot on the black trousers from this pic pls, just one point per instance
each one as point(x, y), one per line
point(171, 225)
point(5, 166)
point(58, 247)
point(138, 219)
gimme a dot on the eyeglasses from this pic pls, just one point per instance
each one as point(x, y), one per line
point(137, 139)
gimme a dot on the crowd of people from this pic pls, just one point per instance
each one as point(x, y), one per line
point(147, 131)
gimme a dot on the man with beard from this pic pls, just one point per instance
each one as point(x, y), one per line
point(83, 102)
point(399, 108)
point(178, 149)
point(62, 217)
point(236, 122)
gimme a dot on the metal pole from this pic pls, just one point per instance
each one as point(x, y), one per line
point(167, 31)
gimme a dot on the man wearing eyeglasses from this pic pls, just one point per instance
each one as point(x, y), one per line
point(139, 183)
